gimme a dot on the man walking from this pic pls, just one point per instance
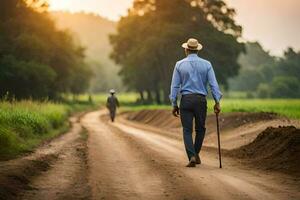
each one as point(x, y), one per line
point(190, 77)
point(112, 104)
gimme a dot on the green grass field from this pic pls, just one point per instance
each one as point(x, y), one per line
point(25, 124)
point(285, 107)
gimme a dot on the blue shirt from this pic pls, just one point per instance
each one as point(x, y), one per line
point(191, 76)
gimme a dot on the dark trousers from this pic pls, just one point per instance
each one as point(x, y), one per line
point(193, 106)
point(112, 113)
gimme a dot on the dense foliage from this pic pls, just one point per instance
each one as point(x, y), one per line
point(37, 60)
point(148, 41)
point(266, 76)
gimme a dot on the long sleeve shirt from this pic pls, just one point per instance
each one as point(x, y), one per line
point(112, 102)
point(191, 76)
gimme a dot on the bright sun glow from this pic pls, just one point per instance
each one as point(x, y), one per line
point(111, 9)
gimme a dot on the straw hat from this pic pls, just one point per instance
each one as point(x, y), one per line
point(112, 91)
point(192, 44)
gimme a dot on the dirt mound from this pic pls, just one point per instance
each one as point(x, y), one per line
point(158, 118)
point(164, 119)
point(275, 149)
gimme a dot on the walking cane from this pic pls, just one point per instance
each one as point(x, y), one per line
point(219, 145)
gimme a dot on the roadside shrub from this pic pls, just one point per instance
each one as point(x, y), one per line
point(23, 124)
point(8, 142)
point(263, 91)
point(37, 124)
point(249, 95)
point(56, 114)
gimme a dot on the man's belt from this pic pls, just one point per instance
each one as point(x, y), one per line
point(201, 95)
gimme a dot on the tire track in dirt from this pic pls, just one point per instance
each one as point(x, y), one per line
point(55, 170)
point(165, 150)
point(231, 183)
point(66, 178)
point(120, 169)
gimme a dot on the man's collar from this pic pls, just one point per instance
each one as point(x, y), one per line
point(193, 55)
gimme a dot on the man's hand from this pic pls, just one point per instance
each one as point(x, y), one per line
point(175, 111)
point(217, 108)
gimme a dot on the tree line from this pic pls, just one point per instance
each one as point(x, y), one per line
point(148, 42)
point(105, 71)
point(36, 59)
point(266, 76)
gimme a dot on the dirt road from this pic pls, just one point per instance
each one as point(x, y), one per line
point(128, 162)
point(56, 170)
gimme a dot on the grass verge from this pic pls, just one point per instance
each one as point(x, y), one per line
point(26, 124)
point(285, 107)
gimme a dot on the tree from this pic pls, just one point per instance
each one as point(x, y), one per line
point(268, 76)
point(36, 59)
point(248, 80)
point(148, 40)
point(98, 48)
point(289, 65)
point(285, 87)
point(255, 56)
point(20, 78)
point(286, 81)
point(257, 66)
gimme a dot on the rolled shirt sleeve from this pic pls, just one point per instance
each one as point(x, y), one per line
point(213, 84)
point(175, 86)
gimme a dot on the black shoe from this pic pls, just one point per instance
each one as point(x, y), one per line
point(192, 162)
point(198, 160)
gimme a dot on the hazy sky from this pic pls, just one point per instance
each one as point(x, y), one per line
point(274, 23)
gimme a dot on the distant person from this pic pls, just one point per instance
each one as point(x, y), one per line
point(112, 104)
point(190, 77)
